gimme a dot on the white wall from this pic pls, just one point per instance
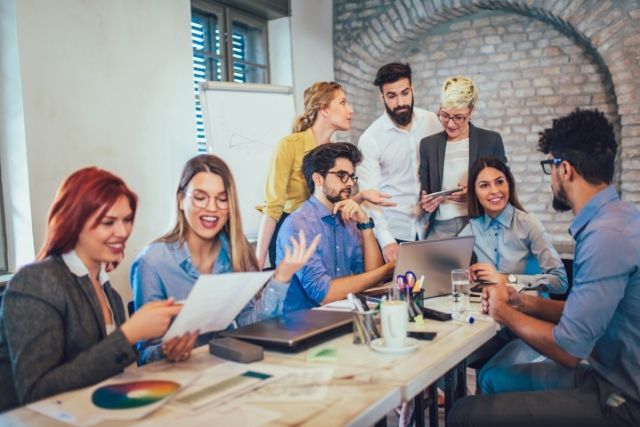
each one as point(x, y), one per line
point(13, 148)
point(312, 45)
point(108, 83)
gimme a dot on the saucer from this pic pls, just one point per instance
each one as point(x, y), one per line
point(409, 345)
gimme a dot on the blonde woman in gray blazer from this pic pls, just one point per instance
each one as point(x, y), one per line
point(445, 158)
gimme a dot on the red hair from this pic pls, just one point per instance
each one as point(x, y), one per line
point(81, 195)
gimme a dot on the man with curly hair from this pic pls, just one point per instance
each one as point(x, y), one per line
point(592, 339)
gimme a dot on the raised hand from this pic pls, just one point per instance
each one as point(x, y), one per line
point(294, 259)
point(374, 196)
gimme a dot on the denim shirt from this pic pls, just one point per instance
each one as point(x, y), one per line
point(338, 254)
point(601, 317)
point(164, 269)
point(515, 242)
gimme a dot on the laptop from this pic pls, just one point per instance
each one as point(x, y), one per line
point(434, 259)
point(296, 330)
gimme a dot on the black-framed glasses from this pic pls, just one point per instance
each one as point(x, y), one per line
point(344, 176)
point(546, 164)
point(457, 118)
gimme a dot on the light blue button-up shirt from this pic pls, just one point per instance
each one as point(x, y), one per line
point(515, 242)
point(164, 269)
point(601, 317)
point(339, 253)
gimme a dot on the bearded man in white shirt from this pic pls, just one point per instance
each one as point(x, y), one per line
point(390, 165)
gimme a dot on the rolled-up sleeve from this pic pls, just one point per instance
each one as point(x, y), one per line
point(598, 287)
point(554, 275)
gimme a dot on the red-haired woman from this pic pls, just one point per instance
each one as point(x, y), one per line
point(62, 325)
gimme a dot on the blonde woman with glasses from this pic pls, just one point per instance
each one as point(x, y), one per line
point(207, 239)
point(445, 158)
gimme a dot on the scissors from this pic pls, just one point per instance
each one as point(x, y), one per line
point(410, 280)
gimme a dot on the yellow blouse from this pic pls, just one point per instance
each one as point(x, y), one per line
point(286, 188)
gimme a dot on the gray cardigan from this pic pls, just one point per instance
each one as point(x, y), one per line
point(52, 334)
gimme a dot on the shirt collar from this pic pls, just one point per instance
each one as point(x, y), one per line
point(77, 267)
point(590, 209)
point(504, 218)
point(183, 256)
point(325, 214)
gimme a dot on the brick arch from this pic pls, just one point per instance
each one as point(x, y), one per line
point(608, 31)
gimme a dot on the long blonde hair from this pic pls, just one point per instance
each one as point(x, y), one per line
point(242, 256)
point(316, 97)
point(459, 92)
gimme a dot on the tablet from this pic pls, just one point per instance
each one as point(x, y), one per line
point(444, 193)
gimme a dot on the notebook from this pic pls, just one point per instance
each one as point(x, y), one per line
point(434, 259)
point(296, 330)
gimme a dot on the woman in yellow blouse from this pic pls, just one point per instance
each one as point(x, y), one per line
point(326, 110)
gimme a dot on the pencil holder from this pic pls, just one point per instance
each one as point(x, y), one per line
point(365, 328)
point(415, 303)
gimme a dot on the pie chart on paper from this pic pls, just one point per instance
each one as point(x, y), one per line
point(132, 394)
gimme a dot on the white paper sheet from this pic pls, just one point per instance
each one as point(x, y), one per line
point(296, 385)
point(222, 383)
point(215, 301)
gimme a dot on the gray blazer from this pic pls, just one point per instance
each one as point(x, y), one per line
point(52, 334)
point(482, 143)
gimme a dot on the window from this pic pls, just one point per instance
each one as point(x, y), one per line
point(228, 45)
point(3, 237)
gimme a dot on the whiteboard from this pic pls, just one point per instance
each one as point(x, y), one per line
point(243, 123)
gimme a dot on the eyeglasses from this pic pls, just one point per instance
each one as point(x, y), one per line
point(546, 164)
point(457, 118)
point(200, 199)
point(344, 176)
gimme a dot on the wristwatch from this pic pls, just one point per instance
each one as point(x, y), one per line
point(366, 225)
point(512, 279)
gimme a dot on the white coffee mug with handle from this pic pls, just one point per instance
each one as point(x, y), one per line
point(394, 318)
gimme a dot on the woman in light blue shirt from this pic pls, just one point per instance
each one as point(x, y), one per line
point(512, 246)
point(207, 239)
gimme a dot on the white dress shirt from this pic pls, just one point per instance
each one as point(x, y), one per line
point(390, 165)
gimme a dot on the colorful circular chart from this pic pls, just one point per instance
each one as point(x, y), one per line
point(133, 394)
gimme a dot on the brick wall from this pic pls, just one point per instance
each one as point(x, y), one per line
point(532, 63)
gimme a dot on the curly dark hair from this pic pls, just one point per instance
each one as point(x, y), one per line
point(392, 72)
point(323, 157)
point(585, 139)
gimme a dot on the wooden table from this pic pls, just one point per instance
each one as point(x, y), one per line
point(366, 385)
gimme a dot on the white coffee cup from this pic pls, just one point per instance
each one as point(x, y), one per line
point(394, 319)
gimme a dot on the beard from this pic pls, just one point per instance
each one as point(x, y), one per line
point(560, 202)
point(403, 117)
point(343, 194)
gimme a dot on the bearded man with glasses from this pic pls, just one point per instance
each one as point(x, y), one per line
point(348, 259)
point(445, 158)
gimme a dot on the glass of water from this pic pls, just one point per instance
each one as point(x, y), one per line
point(461, 292)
